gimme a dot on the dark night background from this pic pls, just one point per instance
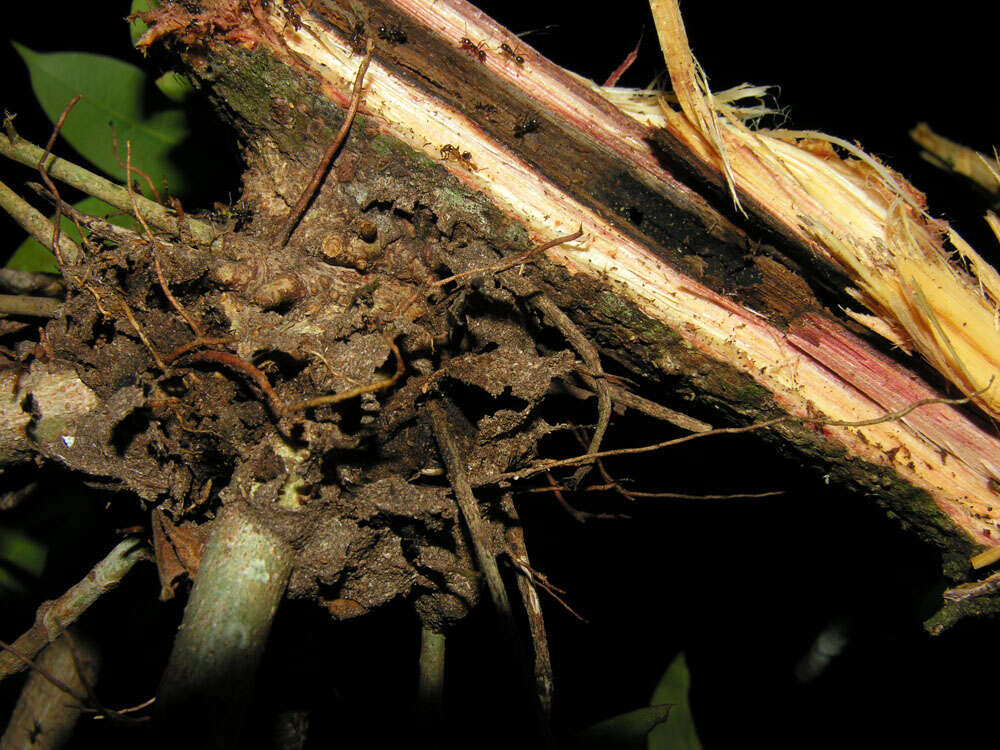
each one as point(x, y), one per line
point(744, 587)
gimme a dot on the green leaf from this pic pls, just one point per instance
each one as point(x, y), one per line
point(628, 730)
point(679, 733)
point(19, 553)
point(31, 255)
point(137, 28)
point(113, 91)
point(174, 86)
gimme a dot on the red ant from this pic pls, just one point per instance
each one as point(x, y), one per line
point(477, 50)
point(455, 154)
point(509, 52)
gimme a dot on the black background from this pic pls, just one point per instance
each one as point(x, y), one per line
point(744, 587)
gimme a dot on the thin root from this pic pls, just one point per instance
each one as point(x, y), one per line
point(588, 352)
point(307, 195)
point(57, 225)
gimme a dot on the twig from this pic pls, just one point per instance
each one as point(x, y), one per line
point(67, 608)
point(479, 535)
point(588, 352)
point(557, 491)
point(135, 324)
point(467, 504)
point(37, 307)
point(537, 579)
point(307, 195)
point(730, 496)
point(235, 363)
point(159, 216)
point(360, 390)
point(527, 256)
point(129, 169)
point(626, 63)
point(32, 222)
point(518, 550)
point(196, 344)
point(650, 408)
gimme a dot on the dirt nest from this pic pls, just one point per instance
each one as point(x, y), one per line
point(293, 379)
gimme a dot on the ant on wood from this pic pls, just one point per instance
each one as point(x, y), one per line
point(459, 157)
point(507, 50)
point(526, 125)
point(477, 50)
point(357, 40)
point(391, 33)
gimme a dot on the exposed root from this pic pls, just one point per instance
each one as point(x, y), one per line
point(57, 224)
point(589, 457)
point(307, 195)
point(336, 398)
point(152, 246)
point(479, 535)
point(588, 352)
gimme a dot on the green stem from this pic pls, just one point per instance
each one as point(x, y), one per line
point(34, 223)
point(45, 716)
point(430, 691)
point(56, 615)
point(162, 218)
point(208, 681)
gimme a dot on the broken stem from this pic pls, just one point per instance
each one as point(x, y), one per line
point(207, 684)
point(68, 607)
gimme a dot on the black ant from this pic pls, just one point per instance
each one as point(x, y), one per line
point(357, 40)
point(477, 50)
point(391, 34)
point(292, 17)
point(526, 125)
point(509, 52)
point(459, 157)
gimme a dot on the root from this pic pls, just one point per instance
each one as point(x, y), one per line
point(57, 224)
point(517, 551)
point(307, 195)
point(588, 352)
point(589, 457)
point(468, 506)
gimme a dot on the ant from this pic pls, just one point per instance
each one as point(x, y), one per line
point(477, 50)
point(526, 125)
point(459, 157)
point(392, 34)
point(292, 17)
point(509, 52)
point(357, 40)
